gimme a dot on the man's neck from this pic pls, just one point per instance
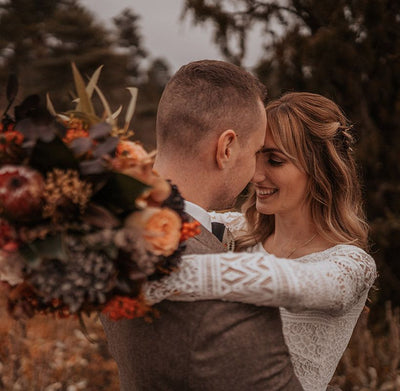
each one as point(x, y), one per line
point(190, 183)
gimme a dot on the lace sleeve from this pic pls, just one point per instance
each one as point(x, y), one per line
point(234, 221)
point(332, 280)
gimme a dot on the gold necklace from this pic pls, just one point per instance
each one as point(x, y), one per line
point(301, 246)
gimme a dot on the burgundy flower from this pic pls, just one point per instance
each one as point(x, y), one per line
point(8, 236)
point(21, 190)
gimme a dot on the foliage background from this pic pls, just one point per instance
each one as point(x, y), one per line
point(348, 50)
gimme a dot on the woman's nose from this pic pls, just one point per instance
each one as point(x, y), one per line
point(259, 174)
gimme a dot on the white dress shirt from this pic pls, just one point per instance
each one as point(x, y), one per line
point(198, 213)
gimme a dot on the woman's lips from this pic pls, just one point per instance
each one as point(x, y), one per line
point(265, 192)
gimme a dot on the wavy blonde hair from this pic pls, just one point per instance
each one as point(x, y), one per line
point(315, 135)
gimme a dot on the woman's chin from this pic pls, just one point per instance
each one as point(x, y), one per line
point(264, 209)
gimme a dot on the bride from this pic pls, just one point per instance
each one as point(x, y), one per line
point(301, 241)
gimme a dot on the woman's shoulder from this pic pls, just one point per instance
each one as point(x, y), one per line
point(349, 250)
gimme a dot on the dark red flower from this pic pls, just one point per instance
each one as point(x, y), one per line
point(21, 190)
point(8, 235)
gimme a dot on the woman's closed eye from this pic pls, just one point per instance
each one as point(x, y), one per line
point(275, 162)
point(272, 157)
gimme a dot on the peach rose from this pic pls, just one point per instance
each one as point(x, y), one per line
point(161, 229)
point(131, 150)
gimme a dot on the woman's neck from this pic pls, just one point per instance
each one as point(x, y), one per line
point(294, 236)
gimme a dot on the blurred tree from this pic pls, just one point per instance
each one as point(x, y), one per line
point(129, 37)
point(348, 50)
point(158, 74)
point(39, 40)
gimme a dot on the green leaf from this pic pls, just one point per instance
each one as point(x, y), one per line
point(93, 81)
point(131, 107)
point(52, 247)
point(120, 193)
point(106, 106)
point(84, 104)
point(54, 154)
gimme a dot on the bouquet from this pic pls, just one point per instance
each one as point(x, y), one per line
point(84, 220)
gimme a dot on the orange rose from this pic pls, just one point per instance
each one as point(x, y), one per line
point(161, 229)
point(131, 150)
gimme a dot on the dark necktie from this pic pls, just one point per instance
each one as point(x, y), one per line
point(218, 230)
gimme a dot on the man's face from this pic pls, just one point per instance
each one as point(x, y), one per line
point(243, 167)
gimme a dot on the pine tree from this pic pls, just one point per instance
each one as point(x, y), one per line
point(347, 50)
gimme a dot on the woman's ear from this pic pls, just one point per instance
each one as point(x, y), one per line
point(226, 146)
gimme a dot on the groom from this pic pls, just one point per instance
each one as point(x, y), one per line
point(210, 124)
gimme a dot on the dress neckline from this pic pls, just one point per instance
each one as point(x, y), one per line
point(260, 247)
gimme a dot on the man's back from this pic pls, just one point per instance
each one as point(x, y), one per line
point(209, 345)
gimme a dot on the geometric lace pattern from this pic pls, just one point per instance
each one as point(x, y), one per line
point(320, 295)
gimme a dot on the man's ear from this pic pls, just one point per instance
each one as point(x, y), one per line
point(226, 146)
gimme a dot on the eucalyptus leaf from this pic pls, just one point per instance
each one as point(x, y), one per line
point(105, 148)
point(81, 145)
point(100, 130)
point(54, 154)
point(120, 193)
point(37, 130)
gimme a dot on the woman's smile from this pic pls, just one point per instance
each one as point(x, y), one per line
point(265, 192)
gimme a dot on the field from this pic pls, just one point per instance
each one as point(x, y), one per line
point(47, 354)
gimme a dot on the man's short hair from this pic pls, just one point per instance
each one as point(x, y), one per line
point(204, 97)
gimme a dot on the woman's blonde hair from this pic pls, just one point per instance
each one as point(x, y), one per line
point(315, 135)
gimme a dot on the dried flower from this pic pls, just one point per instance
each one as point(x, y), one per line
point(73, 134)
point(120, 307)
point(131, 150)
point(63, 190)
point(189, 229)
point(64, 246)
point(10, 137)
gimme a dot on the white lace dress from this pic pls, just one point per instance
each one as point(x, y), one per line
point(320, 295)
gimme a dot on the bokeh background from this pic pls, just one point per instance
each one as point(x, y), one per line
point(348, 50)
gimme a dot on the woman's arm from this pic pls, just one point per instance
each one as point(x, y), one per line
point(234, 221)
point(332, 280)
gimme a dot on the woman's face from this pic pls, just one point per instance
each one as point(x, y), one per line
point(280, 185)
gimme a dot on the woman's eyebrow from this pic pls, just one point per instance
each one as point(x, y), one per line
point(266, 150)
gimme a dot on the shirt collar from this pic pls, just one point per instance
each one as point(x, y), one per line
point(198, 213)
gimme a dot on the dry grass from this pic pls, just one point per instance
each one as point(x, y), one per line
point(54, 355)
point(371, 362)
